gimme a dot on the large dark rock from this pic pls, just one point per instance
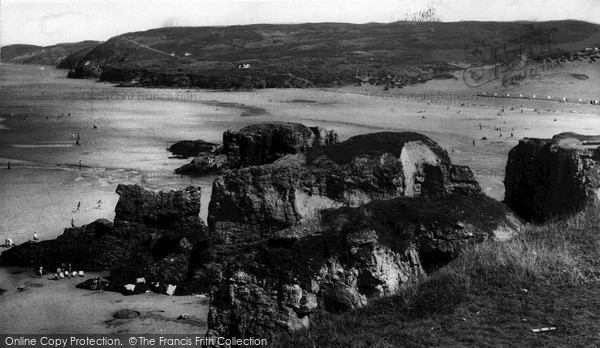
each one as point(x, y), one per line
point(258, 144)
point(340, 259)
point(155, 236)
point(551, 178)
point(251, 203)
point(93, 247)
point(161, 209)
point(265, 142)
point(191, 148)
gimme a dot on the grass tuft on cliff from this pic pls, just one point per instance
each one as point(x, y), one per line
point(492, 295)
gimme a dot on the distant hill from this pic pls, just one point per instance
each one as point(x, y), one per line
point(49, 55)
point(313, 54)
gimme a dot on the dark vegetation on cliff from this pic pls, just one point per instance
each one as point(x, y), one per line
point(60, 54)
point(494, 294)
point(372, 145)
point(300, 55)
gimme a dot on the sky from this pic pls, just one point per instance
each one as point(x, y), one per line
point(47, 22)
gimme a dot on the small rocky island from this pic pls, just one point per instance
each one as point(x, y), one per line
point(298, 223)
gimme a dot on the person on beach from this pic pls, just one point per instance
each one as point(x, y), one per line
point(473, 142)
point(79, 164)
point(78, 136)
point(95, 127)
point(8, 165)
point(72, 222)
point(40, 271)
point(77, 142)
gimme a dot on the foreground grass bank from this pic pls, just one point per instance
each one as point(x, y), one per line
point(493, 295)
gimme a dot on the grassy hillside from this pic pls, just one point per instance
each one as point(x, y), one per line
point(304, 55)
point(493, 295)
point(49, 55)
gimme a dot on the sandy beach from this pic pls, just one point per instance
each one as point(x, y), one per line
point(54, 307)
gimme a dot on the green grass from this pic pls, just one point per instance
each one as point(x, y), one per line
point(492, 295)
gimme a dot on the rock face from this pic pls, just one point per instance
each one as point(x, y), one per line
point(155, 235)
point(550, 178)
point(164, 209)
point(265, 142)
point(336, 226)
point(250, 203)
point(341, 258)
point(259, 144)
point(191, 148)
point(91, 247)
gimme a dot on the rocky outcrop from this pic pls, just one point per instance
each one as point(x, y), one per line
point(155, 235)
point(258, 144)
point(266, 142)
point(92, 247)
point(340, 259)
point(336, 226)
point(191, 148)
point(251, 203)
point(164, 209)
point(551, 178)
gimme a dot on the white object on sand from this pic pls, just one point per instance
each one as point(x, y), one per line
point(130, 287)
point(171, 289)
point(140, 280)
point(81, 274)
point(543, 329)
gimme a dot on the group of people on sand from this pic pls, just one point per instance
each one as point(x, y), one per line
point(64, 271)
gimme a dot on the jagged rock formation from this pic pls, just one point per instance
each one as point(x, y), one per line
point(550, 178)
point(191, 148)
point(91, 247)
point(265, 142)
point(144, 210)
point(336, 226)
point(322, 227)
point(342, 258)
point(251, 203)
point(155, 235)
point(259, 144)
